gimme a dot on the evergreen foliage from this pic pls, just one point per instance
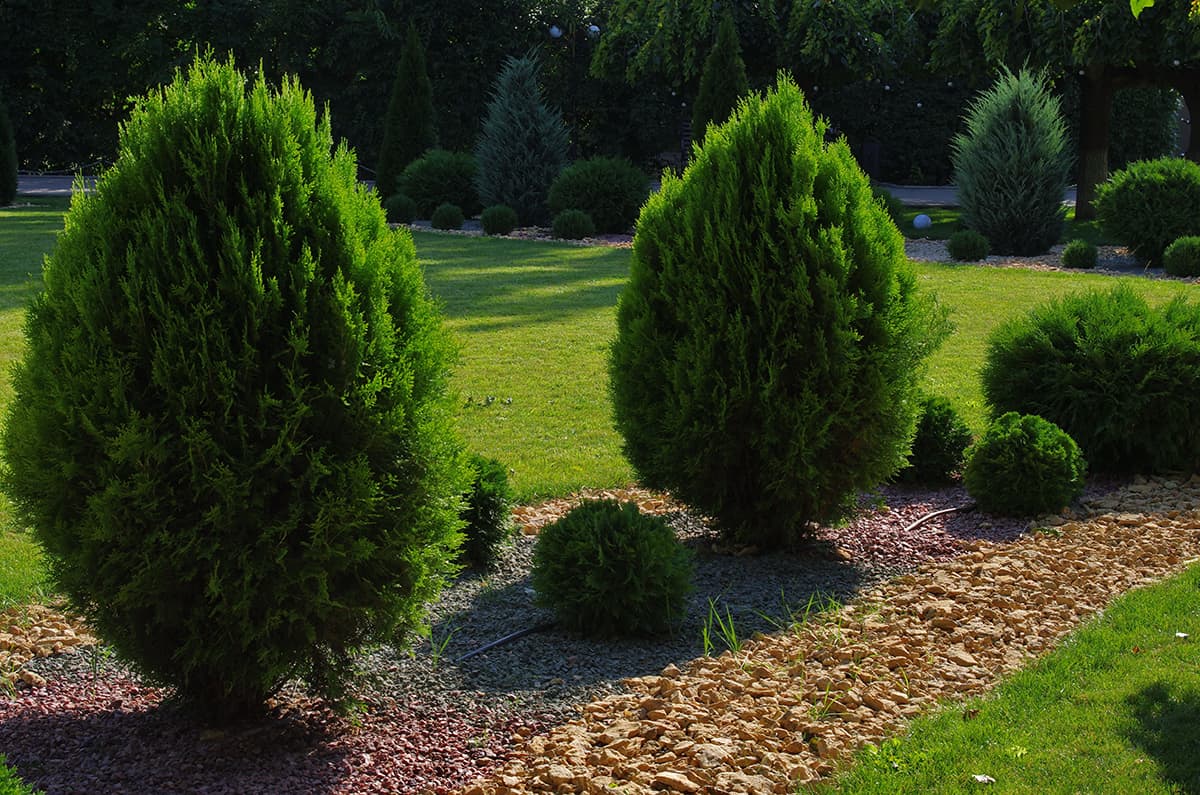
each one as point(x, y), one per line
point(573, 225)
point(939, 444)
point(8, 158)
point(1150, 204)
point(770, 338)
point(499, 219)
point(607, 569)
point(400, 209)
point(230, 430)
point(723, 81)
point(609, 189)
point(967, 245)
point(1024, 465)
point(1012, 165)
point(523, 144)
point(1079, 254)
point(408, 130)
point(447, 216)
point(487, 511)
point(1120, 376)
point(441, 177)
point(1182, 258)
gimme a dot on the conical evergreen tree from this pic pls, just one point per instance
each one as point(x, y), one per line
point(408, 129)
point(723, 81)
point(523, 146)
point(8, 158)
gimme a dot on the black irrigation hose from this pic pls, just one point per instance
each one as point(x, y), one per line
point(520, 633)
point(970, 506)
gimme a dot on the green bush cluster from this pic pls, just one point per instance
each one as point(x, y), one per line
point(8, 158)
point(487, 512)
point(1012, 165)
point(1182, 258)
point(609, 189)
point(1150, 204)
point(230, 430)
point(573, 225)
point(770, 338)
point(1024, 465)
point(499, 219)
point(400, 209)
point(967, 245)
point(447, 216)
point(1121, 377)
point(938, 445)
point(1079, 254)
point(440, 177)
point(606, 568)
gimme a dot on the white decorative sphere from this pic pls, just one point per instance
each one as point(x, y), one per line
point(922, 221)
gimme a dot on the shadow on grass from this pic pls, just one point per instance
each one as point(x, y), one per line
point(1168, 728)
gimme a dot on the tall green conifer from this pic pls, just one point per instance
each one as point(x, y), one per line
point(408, 129)
point(723, 81)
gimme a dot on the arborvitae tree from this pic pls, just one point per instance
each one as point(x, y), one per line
point(8, 158)
point(723, 81)
point(771, 336)
point(523, 145)
point(408, 129)
point(230, 431)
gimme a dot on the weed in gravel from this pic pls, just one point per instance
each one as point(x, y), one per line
point(718, 626)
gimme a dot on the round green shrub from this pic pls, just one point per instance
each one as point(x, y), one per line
point(1121, 377)
point(440, 177)
point(573, 225)
point(609, 189)
point(1150, 204)
point(447, 216)
point(1012, 165)
point(488, 511)
point(1182, 258)
point(499, 219)
point(1024, 465)
point(1079, 254)
point(400, 209)
point(230, 431)
point(770, 338)
point(939, 444)
point(967, 245)
point(608, 569)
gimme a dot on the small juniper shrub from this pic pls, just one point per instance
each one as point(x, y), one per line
point(11, 783)
point(1024, 465)
point(447, 216)
point(1120, 376)
point(1079, 254)
point(499, 219)
point(967, 245)
point(441, 177)
point(609, 189)
point(573, 225)
point(400, 209)
point(487, 512)
point(939, 444)
point(606, 568)
point(894, 207)
point(1182, 258)
point(1150, 204)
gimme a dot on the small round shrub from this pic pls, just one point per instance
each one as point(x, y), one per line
point(447, 216)
point(230, 430)
point(573, 225)
point(1079, 254)
point(400, 209)
point(606, 568)
point(1012, 165)
point(1182, 258)
point(499, 219)
point(609, 189)
point(440, 177)
point(488, 511)
point(1120, 376)
point(1150, 204)
point(967, 245)
point(939, 444)
point(1024, 465)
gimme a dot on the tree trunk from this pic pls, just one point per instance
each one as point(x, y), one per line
point(1095, 109)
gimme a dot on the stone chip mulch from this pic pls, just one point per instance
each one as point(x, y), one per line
point(787, 707)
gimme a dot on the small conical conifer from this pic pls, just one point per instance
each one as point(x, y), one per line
point(408, 129)
point(723, 81)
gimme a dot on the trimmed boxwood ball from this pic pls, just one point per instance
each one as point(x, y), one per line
point(499, 219)
point(1182, 258)
point(1024, 465)
point(770, 339)
point(1120, 376)
point(939, 444)
point(1150, 204)
point(230, 430)
point(609, 189)
point(573, 225)
point(447, 216)
point(1079, 254)
point(608, 569)
point(440, 177)
point(487, 512)
point(400, 209)
point(967, 245)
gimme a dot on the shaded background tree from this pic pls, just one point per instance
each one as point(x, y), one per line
point(722, 82)
point(408, 130)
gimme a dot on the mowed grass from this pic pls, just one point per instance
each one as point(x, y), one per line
point(945, 221)
point(1114, 709)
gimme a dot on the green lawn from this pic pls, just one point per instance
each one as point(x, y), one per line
point(1114, 709)
point(946, 221)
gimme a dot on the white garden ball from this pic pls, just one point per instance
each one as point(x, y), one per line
point(922, 221)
